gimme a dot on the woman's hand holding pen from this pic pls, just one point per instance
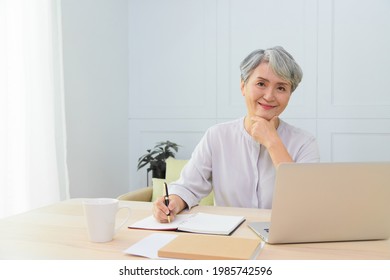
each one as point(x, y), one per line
point(161, 211)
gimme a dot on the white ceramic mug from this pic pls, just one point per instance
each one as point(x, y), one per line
point(100, 215)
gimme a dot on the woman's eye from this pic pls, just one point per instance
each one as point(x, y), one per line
point(281, 88)
point(261, 84)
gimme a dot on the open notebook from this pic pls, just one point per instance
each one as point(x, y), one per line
point(196, 223)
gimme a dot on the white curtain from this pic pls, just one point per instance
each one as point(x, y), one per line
point(32, 124)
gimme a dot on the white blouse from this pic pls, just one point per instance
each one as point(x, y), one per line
point(238, 169)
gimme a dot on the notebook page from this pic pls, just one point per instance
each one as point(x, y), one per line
point(148, 247)
point(211, 224)
point(151, 223)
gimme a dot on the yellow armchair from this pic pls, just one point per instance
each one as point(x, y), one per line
point(142, 194)
point(173, 170)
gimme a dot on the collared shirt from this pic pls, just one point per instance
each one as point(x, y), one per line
point(239, 169)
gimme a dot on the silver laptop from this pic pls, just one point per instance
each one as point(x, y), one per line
point(321, 202)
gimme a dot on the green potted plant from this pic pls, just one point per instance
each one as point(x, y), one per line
point(156, 159)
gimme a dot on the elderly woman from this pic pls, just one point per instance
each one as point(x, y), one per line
point(238, 159)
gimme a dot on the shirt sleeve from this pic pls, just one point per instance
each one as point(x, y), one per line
point(195, 179)
point(301, 145)
point(309, 152)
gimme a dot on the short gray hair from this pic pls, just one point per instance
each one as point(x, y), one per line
point(280, 61)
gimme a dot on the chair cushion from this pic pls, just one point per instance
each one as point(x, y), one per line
point(173, 170)
point(158, 188)
point(208, 200)
point(174, 167)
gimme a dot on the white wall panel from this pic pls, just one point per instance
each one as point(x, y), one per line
point(172, 67)
point(354, 140)
point(144, 134)
point(310, 125)
point(246, 25)
point(353, 59)
point(184, 76)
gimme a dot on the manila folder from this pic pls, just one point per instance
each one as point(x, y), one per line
point(210, 247)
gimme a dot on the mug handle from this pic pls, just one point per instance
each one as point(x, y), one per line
point(125, 220)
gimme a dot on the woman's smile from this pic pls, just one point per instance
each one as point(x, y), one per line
point(266, 106)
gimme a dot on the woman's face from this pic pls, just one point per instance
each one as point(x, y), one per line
point(266, 94)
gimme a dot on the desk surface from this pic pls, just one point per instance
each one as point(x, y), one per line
point(59, 231)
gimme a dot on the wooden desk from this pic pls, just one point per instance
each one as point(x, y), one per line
point(59, 232)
